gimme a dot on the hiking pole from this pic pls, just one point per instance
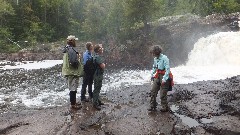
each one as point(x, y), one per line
point(14, 43)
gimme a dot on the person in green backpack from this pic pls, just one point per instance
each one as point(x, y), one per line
point(72, 69)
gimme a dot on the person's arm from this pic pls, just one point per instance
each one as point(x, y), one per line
point(85, 58)
point(154, 68)
point(102, 65)
point(64, 50)
point(100, 62)
point(167, 69)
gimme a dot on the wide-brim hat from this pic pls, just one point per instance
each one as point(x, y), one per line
point(72, 37)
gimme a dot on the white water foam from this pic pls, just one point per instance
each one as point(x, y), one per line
point(30, 64)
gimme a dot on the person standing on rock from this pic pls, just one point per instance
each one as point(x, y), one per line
point(89, 70)
point(160, 77)
point(98, 75)
point(72, 71)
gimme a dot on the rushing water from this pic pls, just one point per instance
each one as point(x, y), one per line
point(214, 57)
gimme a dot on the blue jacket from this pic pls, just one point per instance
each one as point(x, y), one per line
point(161, 63)
point(86, 56)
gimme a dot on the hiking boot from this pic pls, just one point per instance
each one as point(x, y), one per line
point(152, 109)
point(164, 109)
point(100, 102)
point(84, 100)
point(90, 99)
point(97, 107)
point(75, 107)
point(79, 103)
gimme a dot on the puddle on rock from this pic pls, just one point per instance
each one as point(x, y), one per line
point(185, 119)
point(206, 120)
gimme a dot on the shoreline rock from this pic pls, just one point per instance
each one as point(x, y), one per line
point(125, 112)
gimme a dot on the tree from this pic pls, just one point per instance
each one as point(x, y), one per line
point(77, 18)
point(5, 9)
point(94, 23)
point(96, 20)
point(58, 17)
point(5, 33)
point(116, 20)
point(139, 13)
point(225, 6)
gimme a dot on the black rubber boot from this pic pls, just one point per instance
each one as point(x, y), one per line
point(73, 97)
point(152, 109)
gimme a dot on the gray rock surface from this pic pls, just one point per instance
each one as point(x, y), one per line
point(200, 108)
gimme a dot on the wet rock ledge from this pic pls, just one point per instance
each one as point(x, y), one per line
point(201, 108)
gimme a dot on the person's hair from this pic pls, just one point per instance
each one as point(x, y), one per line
point(88, 45)
point(156, 50)
point(71, 43)
point(97, 47)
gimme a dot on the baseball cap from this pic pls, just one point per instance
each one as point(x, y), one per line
point(71, 37)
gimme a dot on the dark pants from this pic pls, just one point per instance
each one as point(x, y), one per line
point(97, 87)
point(156, 86)
point(87, 82)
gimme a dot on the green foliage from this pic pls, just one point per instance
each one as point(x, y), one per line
point(140, 11)
point(5, 9)
point(117, 26)
point(94, 25)
point(200, 7)
point(77, 18)
point(6, 45)
point(40, 21)
point(225, 6)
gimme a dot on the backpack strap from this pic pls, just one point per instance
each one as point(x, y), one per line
point(72, 48)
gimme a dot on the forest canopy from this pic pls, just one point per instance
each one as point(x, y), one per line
point(43, 21)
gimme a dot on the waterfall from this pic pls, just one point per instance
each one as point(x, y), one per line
point(215, 50)
point(214, 57)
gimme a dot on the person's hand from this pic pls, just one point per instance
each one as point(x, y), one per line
point(162, 83)
point(79, 56)
point(152, 78)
